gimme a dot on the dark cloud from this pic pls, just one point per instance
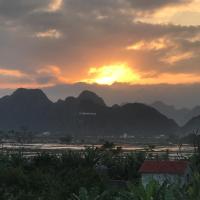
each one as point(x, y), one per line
point(46, 79)
point(20, 8)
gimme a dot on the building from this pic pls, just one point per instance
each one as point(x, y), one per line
point(175, 171)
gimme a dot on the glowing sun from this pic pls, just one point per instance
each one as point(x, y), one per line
point(109, 74)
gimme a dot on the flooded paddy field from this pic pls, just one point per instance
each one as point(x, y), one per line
point(173, 151)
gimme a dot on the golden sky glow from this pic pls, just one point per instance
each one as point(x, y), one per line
point(109, 74)
point(122, 73)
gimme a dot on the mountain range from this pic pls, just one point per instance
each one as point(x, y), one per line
point(179, 95)
point(86, 114)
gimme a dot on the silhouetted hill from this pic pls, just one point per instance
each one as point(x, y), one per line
point(139, 119)
point(24, 108)
point(30, 96)
point(91, 96)
point(86, 114)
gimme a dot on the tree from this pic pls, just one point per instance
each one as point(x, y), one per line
point(108, 145)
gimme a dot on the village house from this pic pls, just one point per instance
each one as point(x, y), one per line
point(175, 171)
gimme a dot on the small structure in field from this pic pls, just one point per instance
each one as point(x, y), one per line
point(176, 171)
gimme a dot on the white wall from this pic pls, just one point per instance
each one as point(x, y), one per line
point(171, 178)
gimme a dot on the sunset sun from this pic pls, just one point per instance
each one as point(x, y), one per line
point(109, 74)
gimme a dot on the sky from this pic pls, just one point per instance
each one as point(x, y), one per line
point(45, 43)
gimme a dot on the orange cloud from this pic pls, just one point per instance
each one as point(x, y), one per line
point(11, 72)
point(157, 44)
point(171, 59)
point(54, 71)
point(55, 5)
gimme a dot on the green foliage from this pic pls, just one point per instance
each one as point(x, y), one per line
point(50, 177)
point(73, 176)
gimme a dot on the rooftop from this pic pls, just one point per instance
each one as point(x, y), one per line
point(160, 167)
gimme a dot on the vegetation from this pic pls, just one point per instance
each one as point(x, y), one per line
point(86, 175)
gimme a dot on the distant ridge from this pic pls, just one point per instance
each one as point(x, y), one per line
point(191, 126)
point(31, 108)
point(181, 116)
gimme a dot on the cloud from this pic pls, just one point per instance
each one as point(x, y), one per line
point(11, 78)
point(181, 12)
point(157, 44)
point(46, 76)
point(20, 8)
point(55, 5)
point(172, 59)
point(52, 74)
point(76, 35)
point(179, 78)
point(10, 72)
point(155, 4)
point(53, 33)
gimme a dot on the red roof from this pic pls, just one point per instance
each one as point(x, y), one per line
point(159, 167)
